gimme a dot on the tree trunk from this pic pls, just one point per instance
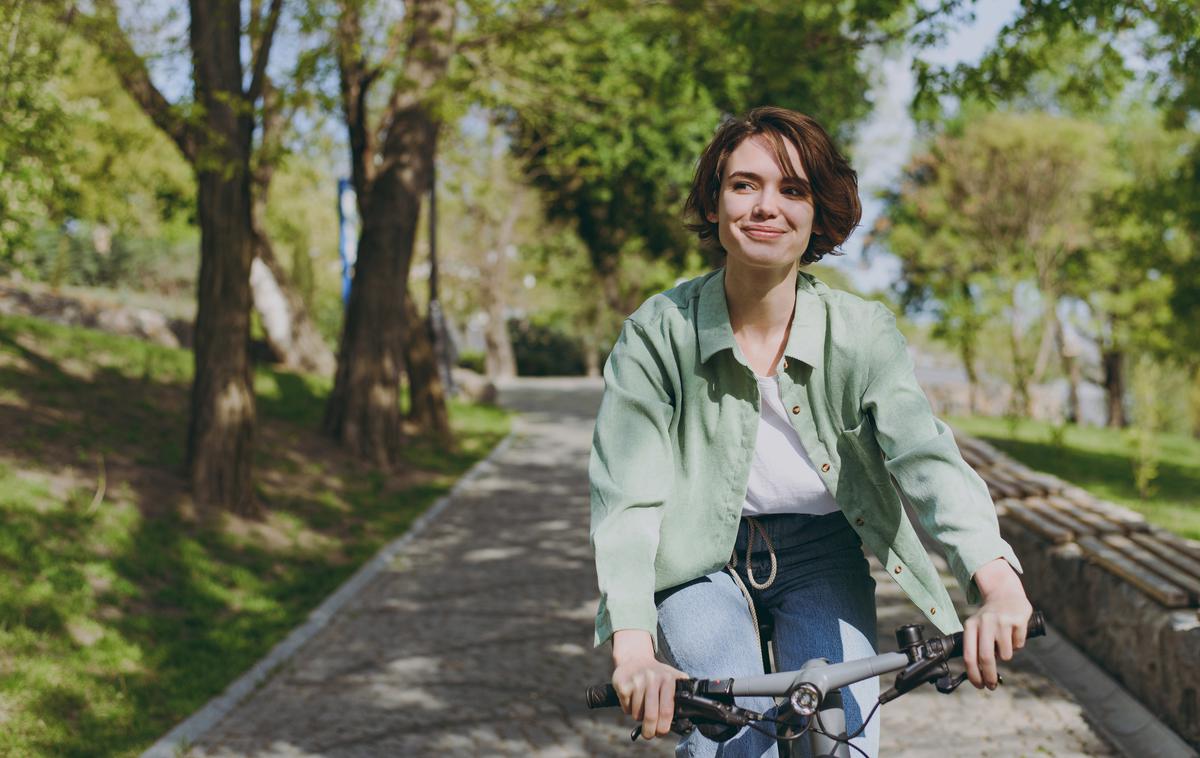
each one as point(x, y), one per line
point(364, 407)
point(291, 333)
point(1194, 400)
point(1021, 399)
point(364, 410)
point(427, 394)
point(501, 362)
point(966, 351)
point(1071, 370)
point(1114, 387)
point(591, 360)
point(221, 429)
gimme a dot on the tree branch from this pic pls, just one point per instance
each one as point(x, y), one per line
point(103, 30)
point(263, 52)
point(354, 81)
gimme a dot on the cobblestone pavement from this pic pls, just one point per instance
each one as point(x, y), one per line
point(477, 640)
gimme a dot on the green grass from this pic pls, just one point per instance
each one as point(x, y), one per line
point(1101, 461)
point(122, 614)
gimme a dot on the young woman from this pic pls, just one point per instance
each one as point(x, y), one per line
point(752, 425)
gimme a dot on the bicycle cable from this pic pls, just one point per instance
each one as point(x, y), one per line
point(821, 730)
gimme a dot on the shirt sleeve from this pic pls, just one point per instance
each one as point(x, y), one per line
point(630, 473)
point(951, 500)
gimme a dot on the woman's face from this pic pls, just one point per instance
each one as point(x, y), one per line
point(764, 219)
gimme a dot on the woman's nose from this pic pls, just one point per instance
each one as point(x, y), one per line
point(767, 204)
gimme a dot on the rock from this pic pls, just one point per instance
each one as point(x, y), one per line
point(472, 386)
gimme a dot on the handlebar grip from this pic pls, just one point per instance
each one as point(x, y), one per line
point(1037, 625)
point(602, 696)
point(1036, 628)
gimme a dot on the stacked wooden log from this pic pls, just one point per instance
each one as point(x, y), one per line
point(1160, 564)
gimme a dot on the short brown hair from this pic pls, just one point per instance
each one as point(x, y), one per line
point(834, 184)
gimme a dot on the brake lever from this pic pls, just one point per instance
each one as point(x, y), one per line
point(948, 684)
point(709, 709)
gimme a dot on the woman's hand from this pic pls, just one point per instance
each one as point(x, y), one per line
point(645, 685)
point(1000, 624)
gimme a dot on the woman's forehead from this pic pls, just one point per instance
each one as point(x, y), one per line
point(760, 154)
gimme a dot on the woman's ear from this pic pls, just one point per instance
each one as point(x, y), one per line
point(712, 217)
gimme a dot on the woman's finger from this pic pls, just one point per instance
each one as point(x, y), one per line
point(987, 653)
point(1021, 630)
point(970, 646)
point(666, 706)
point(637, 698)
point(651, 715)
point(1004, 641)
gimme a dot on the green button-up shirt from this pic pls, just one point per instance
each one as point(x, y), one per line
point(675, 437)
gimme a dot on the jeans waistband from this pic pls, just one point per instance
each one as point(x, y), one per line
point(788, 530)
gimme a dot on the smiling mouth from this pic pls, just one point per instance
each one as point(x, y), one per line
point(762, 231)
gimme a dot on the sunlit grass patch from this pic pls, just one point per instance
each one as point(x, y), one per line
point(1101, 461)
point(122, 610)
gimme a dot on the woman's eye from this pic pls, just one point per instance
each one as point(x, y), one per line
point(796, 191)
point(739, 185)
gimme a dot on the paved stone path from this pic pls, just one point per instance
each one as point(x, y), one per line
point(477, 641)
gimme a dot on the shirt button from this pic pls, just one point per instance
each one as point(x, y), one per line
point(859, 521)
point(898, 569)
point(824, 466)
point(795, 410)
point(933, 611)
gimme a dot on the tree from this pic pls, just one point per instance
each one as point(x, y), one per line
point(1166, 35)
point(391, 161)
point(1136, 242)
point(618, 171)
point(943, 267)
point(215, 133)
point(488, 213)
point(1000, 199)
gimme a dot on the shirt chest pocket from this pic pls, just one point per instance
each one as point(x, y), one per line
point(862, 462)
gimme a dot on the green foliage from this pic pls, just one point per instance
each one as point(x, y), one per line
point(302, 223)
point(997, 200)
point(612, 112)
point(1081, 44)
point(1147, 423)
point(34, 130)
point(1072, 56)
point(475, 360)
point(118, 207)
point(544, 350)
point(1131, 271)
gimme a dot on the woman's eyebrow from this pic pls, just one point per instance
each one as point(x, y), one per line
point(799, 180)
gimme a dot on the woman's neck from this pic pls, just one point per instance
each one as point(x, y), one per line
point(761, 301)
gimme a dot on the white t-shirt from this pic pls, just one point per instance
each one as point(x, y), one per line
point(783, 478)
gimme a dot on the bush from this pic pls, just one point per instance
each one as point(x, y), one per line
point(543, 350)
point(474, 360)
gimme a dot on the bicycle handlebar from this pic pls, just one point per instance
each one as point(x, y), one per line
point(605, 696)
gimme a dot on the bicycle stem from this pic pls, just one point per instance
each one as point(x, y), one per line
point(819, 673)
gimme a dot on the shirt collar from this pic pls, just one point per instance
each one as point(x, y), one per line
point(806, 340)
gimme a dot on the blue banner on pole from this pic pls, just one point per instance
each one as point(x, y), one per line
point(347, 234)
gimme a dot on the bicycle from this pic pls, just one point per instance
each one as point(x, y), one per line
point(811, 698)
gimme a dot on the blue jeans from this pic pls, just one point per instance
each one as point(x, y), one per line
point(822, 602)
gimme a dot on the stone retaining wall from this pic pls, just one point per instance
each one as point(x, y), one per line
point(1125, 592)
